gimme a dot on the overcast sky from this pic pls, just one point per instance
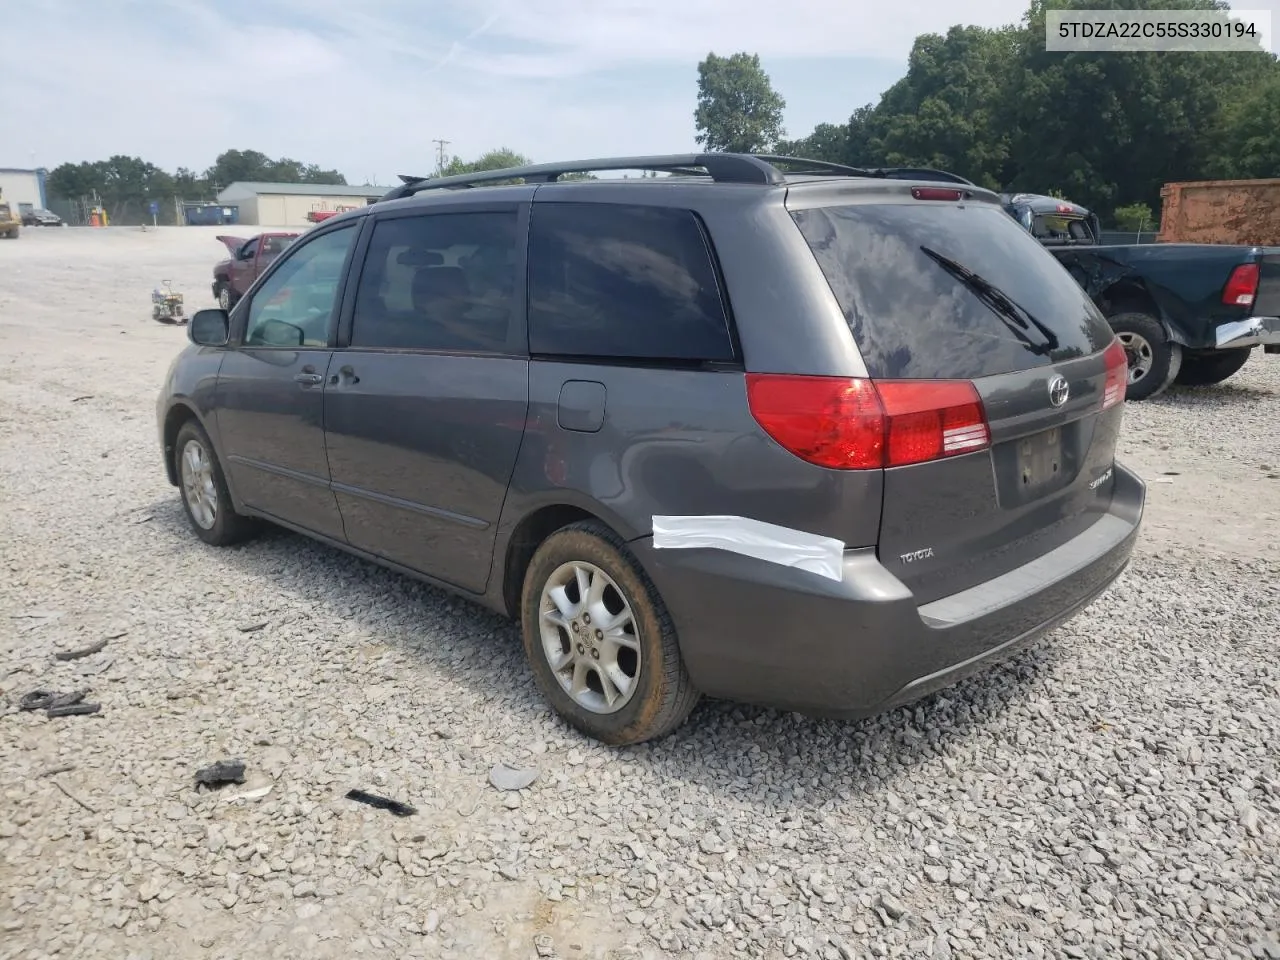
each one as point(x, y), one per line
point(364, 86)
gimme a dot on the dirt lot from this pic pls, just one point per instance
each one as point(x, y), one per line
point(1112, 793)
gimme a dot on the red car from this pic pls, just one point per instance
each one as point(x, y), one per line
point(233, 276)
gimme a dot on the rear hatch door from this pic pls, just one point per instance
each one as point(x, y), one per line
point(940, 290)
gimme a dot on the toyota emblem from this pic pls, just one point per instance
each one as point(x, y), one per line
point(1059, 390)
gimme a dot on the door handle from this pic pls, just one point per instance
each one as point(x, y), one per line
point(309, 379)
point(346, 374)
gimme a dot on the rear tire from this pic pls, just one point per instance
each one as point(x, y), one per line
point(205, 496)
point(1154, 360)
point(572, 656)
point(1209, 368)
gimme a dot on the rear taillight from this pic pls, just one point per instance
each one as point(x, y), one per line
point(831, 421)
point(854, 424)
point(931, 419)
point(1242, 286)
point(1117, 375)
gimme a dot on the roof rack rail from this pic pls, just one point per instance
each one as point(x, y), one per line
point(760, 169)
point(810, 166)
point(722, 167)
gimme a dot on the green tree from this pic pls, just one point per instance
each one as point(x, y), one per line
point(128, 185)
point(947, 111)
point(1135, 217)
point(1249, 143)
point(73, 180)
point(738, 109)
point(286, 170)
point(865, 137)
point(125, 185)
point(829, 142)
point(253, 166)
point(1105, 129)
point(238, 165)
point(189, 185)
point(499, 159)
point(1110, 128)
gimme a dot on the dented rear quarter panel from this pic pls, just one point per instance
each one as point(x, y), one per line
point(1184, 281)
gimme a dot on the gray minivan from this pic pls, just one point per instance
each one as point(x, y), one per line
point(763, 429)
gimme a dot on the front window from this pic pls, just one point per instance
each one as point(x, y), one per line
point(294, 306)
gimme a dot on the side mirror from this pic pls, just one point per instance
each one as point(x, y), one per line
point(209, 328)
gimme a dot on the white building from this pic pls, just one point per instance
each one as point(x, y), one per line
point(288, 204)
point(23, 190)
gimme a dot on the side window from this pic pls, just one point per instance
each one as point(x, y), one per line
point(444, 281)
point(293, 307)
point(609, 280)
point(249, 249)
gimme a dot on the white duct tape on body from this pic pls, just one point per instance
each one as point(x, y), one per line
point(752, 538)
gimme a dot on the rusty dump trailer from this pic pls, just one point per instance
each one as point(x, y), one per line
point(1244, 212)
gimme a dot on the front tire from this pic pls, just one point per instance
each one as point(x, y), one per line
point(204, 490)
point(1209, 368)
point(225, 300)
point(1154, 359)
point(600, 640)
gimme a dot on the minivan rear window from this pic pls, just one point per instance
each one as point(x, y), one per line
point(948, 291)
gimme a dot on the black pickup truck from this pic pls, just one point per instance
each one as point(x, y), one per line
point(1187, 313)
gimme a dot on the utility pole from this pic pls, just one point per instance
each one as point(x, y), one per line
point(440, 145)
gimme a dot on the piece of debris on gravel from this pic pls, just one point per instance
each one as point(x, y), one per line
point(73, 710)
point(55, 704)
point(382, 803)
point(511, 778)
point(221, 773)
point(1112, 793)
point(82, 652)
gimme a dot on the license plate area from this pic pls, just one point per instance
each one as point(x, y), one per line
point(1033, 467)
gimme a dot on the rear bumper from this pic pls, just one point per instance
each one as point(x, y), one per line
point(1251, 332)
point(761, 633)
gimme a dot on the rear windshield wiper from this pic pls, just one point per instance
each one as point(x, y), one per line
point(1016, 317)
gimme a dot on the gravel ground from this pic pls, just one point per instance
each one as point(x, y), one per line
point(1112, 793)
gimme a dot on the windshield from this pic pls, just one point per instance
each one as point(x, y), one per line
point(936, 291)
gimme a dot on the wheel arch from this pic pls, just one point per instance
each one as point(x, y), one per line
point(1130, 295)
point(529, 534)
point(178, 414)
